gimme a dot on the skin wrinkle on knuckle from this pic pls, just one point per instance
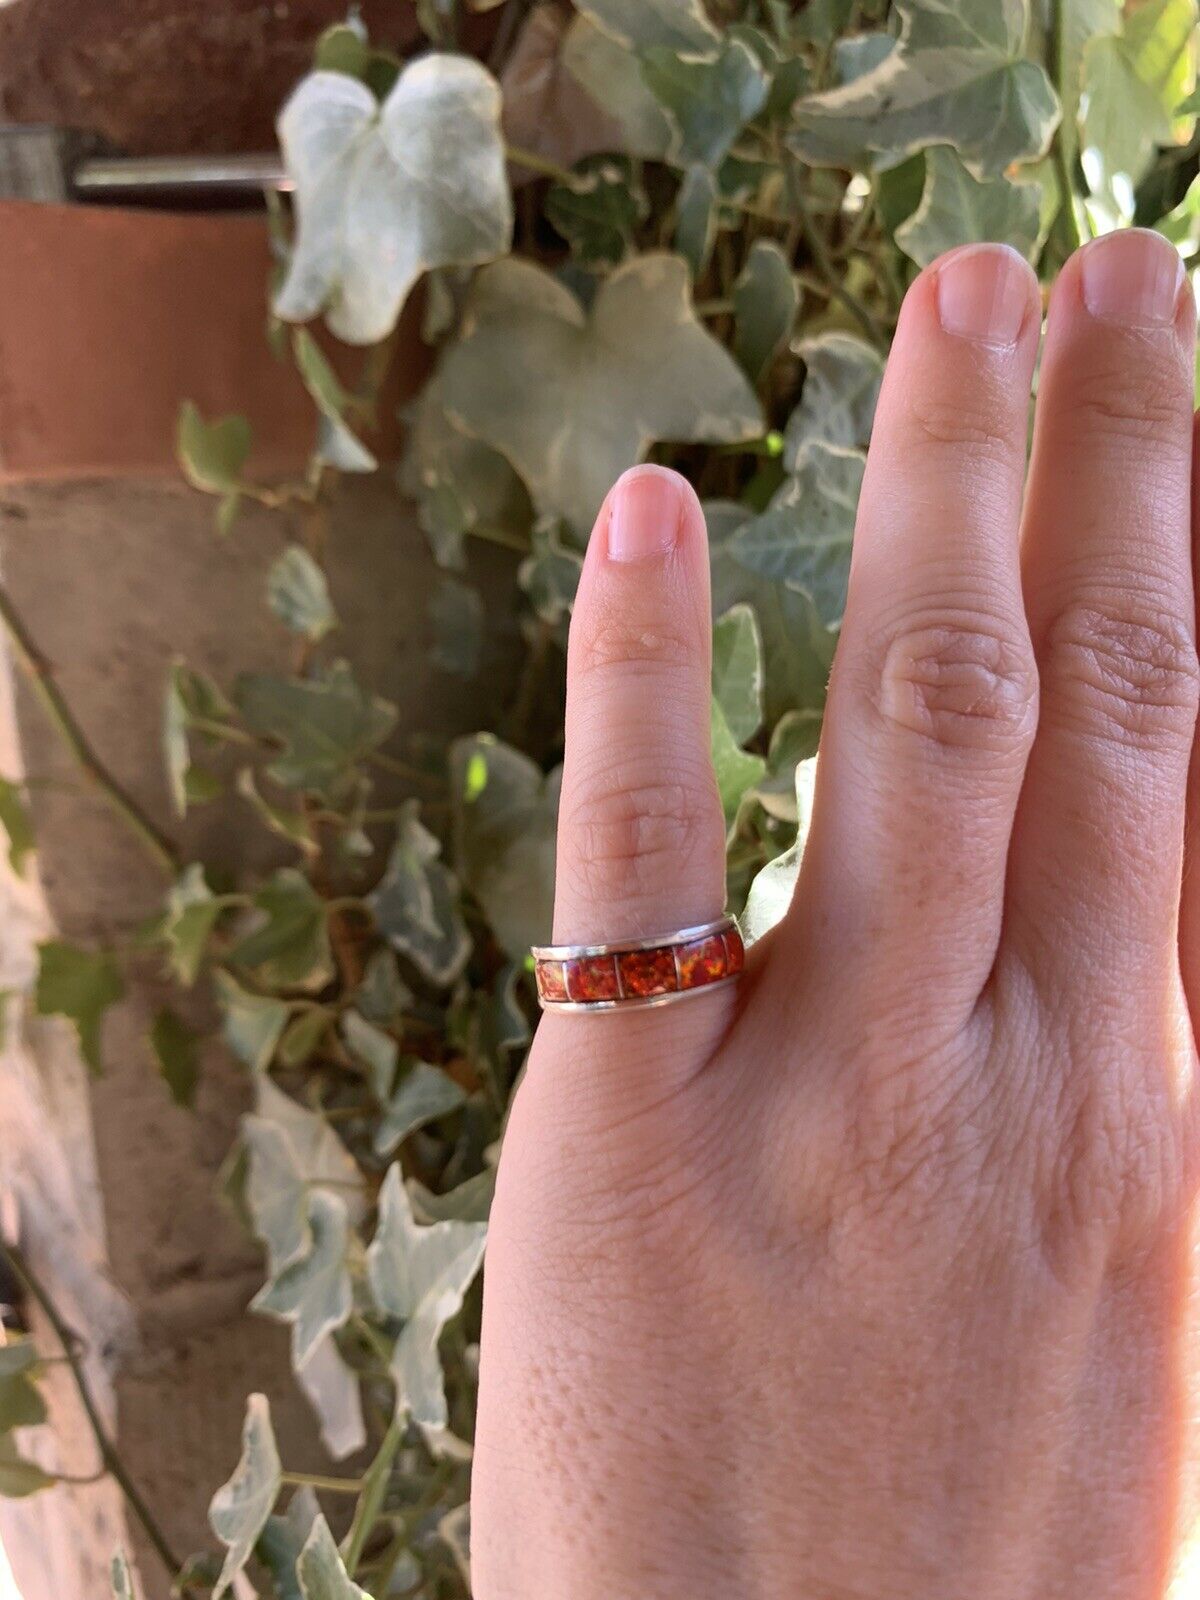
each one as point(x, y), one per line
point(1128, 674)
point(958, 682)
point(629, 837)
point(1144, 401)
point(979, 427)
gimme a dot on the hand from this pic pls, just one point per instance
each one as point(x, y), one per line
point(869, 1276)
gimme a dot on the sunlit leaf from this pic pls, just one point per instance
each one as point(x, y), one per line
point(212, 454)
point(737, 770)
point(737, 671)
point(573, 398)
point(80, 985)
point(773, 887)
point(420, 1274)
point(240, 1508)
point(385, 192)
point(320, 1569)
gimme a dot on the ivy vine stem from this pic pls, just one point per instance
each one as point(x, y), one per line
point(318, 1480)
point(1062, 165)
point(824, 262)
point(533, 162)
point(113, 1465)
point(119, 800)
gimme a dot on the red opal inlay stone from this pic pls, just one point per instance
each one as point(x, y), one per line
point(646, 972)
point(593, 978)
point(701, 962)
point(735, 951)
point(551, 980)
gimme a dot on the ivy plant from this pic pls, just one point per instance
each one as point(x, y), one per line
point(627, 229)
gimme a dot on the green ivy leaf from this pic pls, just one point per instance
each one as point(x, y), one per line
point(19, 1477)
point(423, 1094)
point(21, 1403)
point(298, 594)
point(292, 825)
point(174, 1045)
point(794, 739)
point(212, 454)
point(469, 1202)
point(17, 824)
point(377, 1050)
point(192, 912)
point(384, 192)
point(253, 1023)
point(737, 770)
point(420, 1274)
point(572, 398)
point(773, 887)
point(343, 48)
point(956, 208)
point(708, 102)
point(283, 1538)
point(304, 1034)
point(737, 671)
point(696, 218)
point(80, 985)
point(957, 76)
point(1131, 88)
point(240, 1508)
point(550, 576)
point(383, 993)
point(314, 1293)
point(326, 724)
point(599, 211)
point(860, 53)
point(337, 442)
point(610, 75)
point(679, 25)
point(416, 903)
point(320, 1569)
point(841, 388)
point(290, 946)
point(804, 536)
point(505, 812)
point(458, 618)
point(766, 298)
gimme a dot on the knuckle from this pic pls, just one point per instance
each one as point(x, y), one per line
point(960, 683)
point(631, 834)
point(1133, 404)
point(616, 642)
point(979, 426)
point(1129, 674)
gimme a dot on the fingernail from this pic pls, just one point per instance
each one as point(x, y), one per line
point(1132, 276)
point(643, 515)
point(983, 293)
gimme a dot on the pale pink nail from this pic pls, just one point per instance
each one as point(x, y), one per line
point(984, 292)
point(643, 514)
point(1132, 276)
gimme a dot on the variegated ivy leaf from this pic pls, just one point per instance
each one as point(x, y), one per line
point(860, 53)
point(804, 536)
point(16, 823)
point(679, 25)
point(841, 387)
point(289, 945)
point(377, 1050)
point(320, 1569)
point(794, 739)
point(505, 812)
point(550, 576)
point(192, 702)
point(253, 1023)
point(598, 212)
point(423, 1094)
point(212, 454)
point(610, 74)
point(696, 218)
point(957, 76)
point(240, 1508)
point(288, 822)
point(773, 887)
point(956, 208)
point(337, 442)
point(737, 671)
point(326, 725)
point(766, 298)
point(458, 621)
point(298, 594)
point(283, 1538)
point(192, 912)
point(416, 902)
point(420, 1275)
point(708, 102)
point(384, 192)
point(737, 770)
point(572, 398)
point(331, 1387)
point(314, 1293)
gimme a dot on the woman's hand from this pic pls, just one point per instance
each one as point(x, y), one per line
point(870, 1276)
